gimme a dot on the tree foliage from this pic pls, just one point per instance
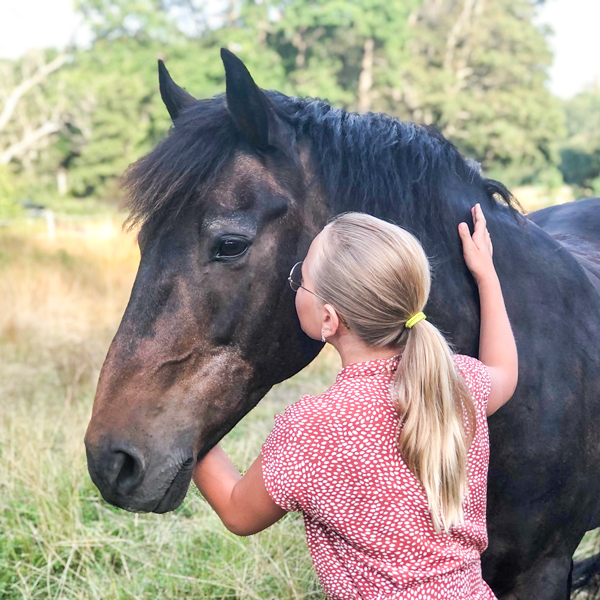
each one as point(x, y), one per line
point(477, 69)
point(479, 72)
point(581, 151)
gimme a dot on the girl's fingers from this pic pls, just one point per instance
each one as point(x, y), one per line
point(479, 216)
point(465, 234)
point(480, 212)
point(480, 223)
point(481, 239)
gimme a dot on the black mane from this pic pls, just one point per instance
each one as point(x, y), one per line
point(367, 162)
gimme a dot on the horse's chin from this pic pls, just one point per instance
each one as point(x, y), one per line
point(177, 491)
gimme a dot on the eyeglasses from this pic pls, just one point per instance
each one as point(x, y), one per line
point(295, 280)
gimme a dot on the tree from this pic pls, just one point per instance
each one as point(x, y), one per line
point(478, 71)
point(31, 118)
point(581, 151)
point(116, 83)
point(341, 51)
point(27, 118)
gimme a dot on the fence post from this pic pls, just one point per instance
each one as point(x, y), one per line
point(50, 225)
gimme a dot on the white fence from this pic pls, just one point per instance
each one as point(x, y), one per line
point(104, 226)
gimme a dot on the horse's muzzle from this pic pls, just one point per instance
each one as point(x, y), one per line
point(130, 479)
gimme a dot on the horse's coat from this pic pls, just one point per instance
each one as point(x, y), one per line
point(230, 200)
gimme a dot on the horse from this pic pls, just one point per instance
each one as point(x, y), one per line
point(231, 199)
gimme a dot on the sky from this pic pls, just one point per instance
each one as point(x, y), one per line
point(574, 43)
point(41, 23)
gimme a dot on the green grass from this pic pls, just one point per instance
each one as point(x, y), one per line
point(61, 540)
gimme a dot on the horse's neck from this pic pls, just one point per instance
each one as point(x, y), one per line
point(533, 268)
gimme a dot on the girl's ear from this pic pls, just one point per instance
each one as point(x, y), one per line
point(331, 321)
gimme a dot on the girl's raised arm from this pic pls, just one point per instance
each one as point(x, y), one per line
point(497, 347)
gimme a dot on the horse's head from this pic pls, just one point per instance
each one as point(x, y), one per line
point(225, 209)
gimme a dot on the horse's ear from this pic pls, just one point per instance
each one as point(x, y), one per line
point(249, 105)
point(174, 97)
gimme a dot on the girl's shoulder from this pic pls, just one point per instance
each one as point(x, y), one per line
point(316, 413)
point(300, 411)
point(476, 375)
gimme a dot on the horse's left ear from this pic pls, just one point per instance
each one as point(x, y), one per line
point(250, 107)
point(174, 97)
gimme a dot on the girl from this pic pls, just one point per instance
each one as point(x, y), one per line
point(389, 465)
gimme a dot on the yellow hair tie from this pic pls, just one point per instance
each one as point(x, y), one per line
point(415, 319)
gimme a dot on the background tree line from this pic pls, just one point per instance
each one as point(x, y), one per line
point(71, 122)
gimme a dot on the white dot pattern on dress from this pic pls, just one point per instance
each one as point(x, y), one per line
point(368, 527)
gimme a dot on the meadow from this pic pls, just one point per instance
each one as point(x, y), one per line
point(60, 304)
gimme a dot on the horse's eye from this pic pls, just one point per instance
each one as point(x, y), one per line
point(231, 247)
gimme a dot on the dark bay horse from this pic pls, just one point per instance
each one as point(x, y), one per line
point(231, 199)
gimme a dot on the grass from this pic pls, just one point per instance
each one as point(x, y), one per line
point(60, 304)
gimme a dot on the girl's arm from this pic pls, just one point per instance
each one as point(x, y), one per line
point(242, 503)
point(497, 347)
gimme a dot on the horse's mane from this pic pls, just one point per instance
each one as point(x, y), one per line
point(367, 162)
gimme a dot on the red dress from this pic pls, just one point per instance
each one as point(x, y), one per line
point(368, 527)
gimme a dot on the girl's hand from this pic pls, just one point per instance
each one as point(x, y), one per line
point(477, 249)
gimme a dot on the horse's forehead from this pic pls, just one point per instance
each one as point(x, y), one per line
point(245, 171)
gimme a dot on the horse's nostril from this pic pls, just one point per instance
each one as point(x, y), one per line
point(127, 469)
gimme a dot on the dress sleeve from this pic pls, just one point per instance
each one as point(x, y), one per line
point(286, 465)
point(477, 377)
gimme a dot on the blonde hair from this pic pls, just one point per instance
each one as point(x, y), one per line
point(376, 275)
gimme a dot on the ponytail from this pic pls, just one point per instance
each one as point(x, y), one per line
point(431, 399)
point(377, 276)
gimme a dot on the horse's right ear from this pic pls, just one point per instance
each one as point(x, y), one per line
point(252, 111)
point(246, 101)
point(174, 97)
